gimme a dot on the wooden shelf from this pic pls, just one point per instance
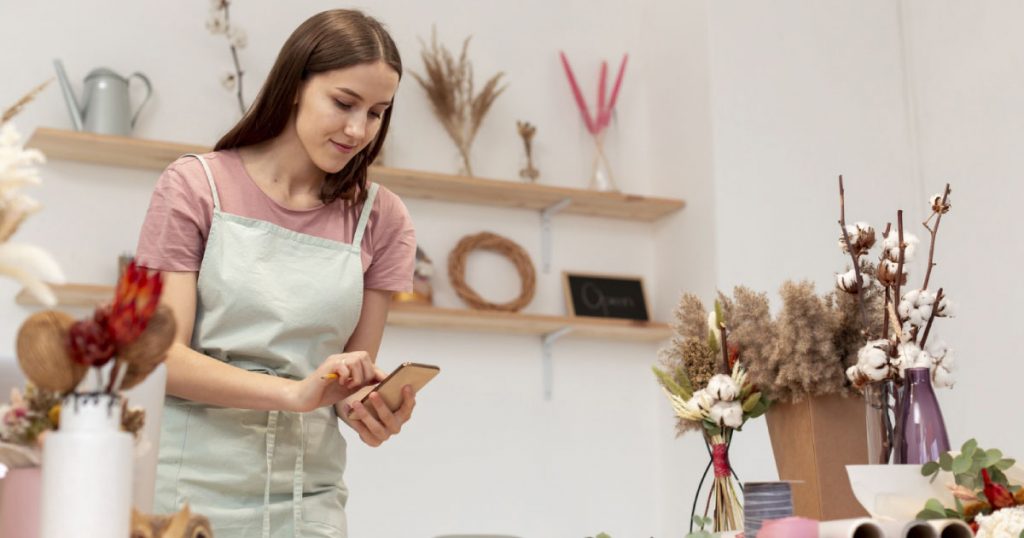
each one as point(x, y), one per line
point(156, 155)
point(428, 317)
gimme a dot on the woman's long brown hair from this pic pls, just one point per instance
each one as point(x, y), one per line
point(330, 40)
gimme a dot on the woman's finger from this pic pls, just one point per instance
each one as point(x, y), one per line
point(364, 433)
point(408, 403)
point(386, 417)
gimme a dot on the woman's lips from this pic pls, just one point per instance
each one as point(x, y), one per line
point(342, 147)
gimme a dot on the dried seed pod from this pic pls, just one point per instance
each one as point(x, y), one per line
point(43, 354)
point(150, 349)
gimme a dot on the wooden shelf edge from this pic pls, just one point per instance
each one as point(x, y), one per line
point(156, 155)
point(431, 317)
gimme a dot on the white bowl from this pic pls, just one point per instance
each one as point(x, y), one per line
point(897, 491)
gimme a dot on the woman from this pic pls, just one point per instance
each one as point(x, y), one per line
point(279, 259)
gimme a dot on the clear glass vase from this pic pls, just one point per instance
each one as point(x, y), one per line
point(920, 435)
point(601, 179)
point(879, 420)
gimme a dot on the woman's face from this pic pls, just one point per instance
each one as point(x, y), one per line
point(339, 112)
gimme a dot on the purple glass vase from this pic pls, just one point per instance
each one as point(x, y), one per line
point(920, 431)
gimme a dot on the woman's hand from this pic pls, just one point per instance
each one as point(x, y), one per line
point(374, 431)
point(354, 370)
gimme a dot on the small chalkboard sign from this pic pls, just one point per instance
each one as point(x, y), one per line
point(605, 296)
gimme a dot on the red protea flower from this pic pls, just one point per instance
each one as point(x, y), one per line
point(135, 301)
point(89, 341)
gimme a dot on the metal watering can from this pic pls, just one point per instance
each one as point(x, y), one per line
point(106, 106)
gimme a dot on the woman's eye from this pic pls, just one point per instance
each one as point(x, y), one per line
point(376, 115)
point(342, 105)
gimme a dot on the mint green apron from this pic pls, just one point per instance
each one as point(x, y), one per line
point(278, 302)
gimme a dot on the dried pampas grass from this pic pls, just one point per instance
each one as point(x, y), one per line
point(16, 108)
point(449, 86)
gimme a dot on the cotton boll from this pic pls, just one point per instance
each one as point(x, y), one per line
point(942, 377)
point(891, 245)
point(722, 387)
point(873, 360)
point(727, 414)
point(700, 402)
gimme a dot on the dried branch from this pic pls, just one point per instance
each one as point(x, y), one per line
point(931, 249)
point(853, 255)
point(931, 318)
point(526, 132)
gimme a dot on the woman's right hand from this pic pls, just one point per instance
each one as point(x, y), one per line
point(355, 370)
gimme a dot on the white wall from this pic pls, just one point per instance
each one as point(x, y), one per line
point(485, 453)
point(900, 97)
point(966, 64)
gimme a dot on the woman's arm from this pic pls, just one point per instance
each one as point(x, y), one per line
point(194, 376)
point(367, 337)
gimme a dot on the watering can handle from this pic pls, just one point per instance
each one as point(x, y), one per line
point(149, 92)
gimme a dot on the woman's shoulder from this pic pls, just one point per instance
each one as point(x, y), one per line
point(189, 169)
point(387, 204)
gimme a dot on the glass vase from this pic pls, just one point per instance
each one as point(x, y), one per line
point(601, 178)
point(920, 435)
point(880, 423)
point(87, 470)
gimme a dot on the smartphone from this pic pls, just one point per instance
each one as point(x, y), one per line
point(390, 389)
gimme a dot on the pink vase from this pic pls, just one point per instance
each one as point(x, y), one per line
point(19, 504)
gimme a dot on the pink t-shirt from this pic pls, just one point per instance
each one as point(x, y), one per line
point(174, 233)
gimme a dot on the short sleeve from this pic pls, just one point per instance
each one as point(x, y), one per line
point(394, 246)
point(177, 223)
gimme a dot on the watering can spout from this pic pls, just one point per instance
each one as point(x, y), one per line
point(69, 96)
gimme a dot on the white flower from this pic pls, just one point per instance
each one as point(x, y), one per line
point(937, 205)
point(1004, 523)
point(237, 37)
point(943, 364)
point(848, 281)
point(916, 307)
point(728, 414)
point(861, 236)
point(722, 387)
point(217, 23)
point(872, 361)
point(910, 355)
point(891, 245)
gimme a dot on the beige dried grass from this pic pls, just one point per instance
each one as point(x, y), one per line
point(449, 85)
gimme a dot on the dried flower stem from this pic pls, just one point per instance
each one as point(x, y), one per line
point(234, 58)
point(856, 262)
point(899, 269)
point(933, 232)
point(931, 318)
point(14, 109)
point(888, 299)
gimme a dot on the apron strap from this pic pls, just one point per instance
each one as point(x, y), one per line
point(298, 477)
point(271, 441)
point(209, 177)
point(357, 239)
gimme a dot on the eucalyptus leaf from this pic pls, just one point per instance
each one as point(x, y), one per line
point(992, 457)
point(961, 464)
point(946, 461)
point(930, 468)
point(1005, 464)
point(934, 505)
point(969, 447)
point(998, 477)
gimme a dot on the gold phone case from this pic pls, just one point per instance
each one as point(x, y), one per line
point(390, 389)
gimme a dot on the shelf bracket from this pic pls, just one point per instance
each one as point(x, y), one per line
point(547, 342)
point(545, 231)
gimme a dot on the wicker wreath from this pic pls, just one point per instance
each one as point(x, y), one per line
point(500, 245)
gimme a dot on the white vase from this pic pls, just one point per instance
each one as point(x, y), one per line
point(87, 471)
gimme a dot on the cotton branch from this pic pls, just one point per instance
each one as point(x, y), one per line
point(856, 262)
point(933, 232)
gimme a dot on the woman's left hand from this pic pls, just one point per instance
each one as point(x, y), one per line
point(372, 431)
